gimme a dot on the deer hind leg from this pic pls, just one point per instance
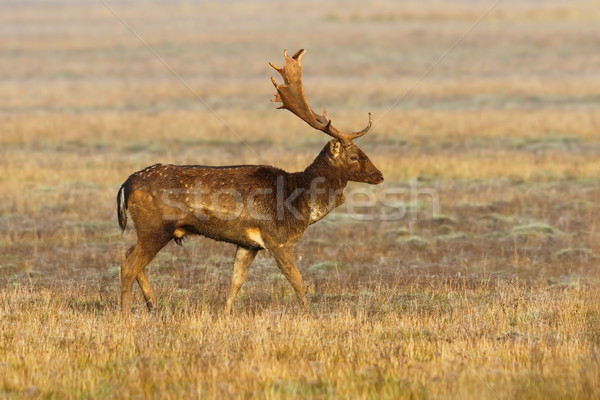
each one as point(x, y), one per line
point(286, 261)
point(243, 260)
point(147, 290)
point(144, 284)
point(133, 268)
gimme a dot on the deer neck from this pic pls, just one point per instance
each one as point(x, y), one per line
point(324, 185)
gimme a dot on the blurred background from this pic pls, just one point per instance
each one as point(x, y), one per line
point(494, 105)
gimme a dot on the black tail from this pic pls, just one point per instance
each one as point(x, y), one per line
point(122, 197)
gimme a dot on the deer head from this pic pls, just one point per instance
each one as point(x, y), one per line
point(342, 153)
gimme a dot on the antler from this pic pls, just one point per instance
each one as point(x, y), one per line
point(291, 94)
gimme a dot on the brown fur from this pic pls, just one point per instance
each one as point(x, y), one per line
point(169, 201)
point(185, 213)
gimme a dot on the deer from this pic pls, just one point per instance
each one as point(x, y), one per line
point(255, 207)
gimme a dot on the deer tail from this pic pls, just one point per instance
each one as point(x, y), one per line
point(122, 197)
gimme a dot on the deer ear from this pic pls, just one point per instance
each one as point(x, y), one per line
point(335, 148)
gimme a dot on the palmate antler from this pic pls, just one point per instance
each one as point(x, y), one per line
point(291, 94)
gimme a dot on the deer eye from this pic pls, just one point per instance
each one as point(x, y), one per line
point(354, 158)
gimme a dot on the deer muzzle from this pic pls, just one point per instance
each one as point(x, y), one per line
point(375, 178)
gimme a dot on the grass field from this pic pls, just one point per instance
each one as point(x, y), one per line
point(497, 298)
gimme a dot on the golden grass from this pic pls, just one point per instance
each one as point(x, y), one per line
point(447, 340)
point(499, 298)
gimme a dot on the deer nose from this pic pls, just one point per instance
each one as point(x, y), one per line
point(377, 177)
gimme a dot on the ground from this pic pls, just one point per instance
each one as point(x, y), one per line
point(495, 294)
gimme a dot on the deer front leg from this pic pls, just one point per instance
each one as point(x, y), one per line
point(243, 260)
point(286, 261)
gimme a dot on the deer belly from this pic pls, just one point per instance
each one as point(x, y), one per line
point(224, 231)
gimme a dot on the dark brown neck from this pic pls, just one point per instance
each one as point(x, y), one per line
point(323, 182)
point(324, 167)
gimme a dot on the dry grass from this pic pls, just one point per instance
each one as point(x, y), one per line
point(425, 339)
point(498, 298)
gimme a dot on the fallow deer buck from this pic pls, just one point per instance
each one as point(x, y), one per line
point(255, 207)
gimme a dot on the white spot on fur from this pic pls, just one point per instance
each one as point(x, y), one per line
point(255, 235)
